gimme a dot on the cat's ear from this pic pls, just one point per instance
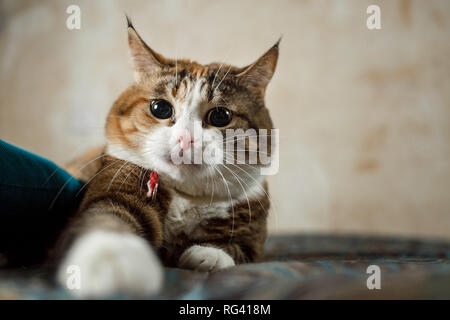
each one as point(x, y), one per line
point(146, 61)
point(258, 74)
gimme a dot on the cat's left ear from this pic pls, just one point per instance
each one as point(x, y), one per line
point(146, 61)
point(258, 74)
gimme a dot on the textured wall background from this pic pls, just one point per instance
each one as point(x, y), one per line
point(364, 116)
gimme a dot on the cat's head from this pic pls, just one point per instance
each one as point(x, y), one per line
point(173, 104)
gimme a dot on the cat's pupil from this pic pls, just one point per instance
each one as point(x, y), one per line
point(219, 117)
point(161, 109)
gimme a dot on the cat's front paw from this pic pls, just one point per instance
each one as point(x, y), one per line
point(110, 262)
point(203, 258)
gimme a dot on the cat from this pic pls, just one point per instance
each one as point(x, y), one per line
point(202, 217)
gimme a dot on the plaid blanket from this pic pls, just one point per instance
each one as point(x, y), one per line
point(296, 267)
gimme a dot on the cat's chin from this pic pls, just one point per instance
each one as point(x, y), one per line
point(190, 179)
point(183, 173)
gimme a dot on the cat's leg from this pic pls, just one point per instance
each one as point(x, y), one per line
point(110, 260)
point(211, 257)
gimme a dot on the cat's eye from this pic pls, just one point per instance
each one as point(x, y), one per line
point(161, 109)
point(219, 117)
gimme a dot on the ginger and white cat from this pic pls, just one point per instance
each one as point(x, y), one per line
point(204, 216)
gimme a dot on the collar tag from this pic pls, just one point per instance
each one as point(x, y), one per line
point(152, 185)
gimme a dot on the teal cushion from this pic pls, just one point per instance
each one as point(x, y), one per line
point(36, 197)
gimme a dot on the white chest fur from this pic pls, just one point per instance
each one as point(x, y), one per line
point(189, 217)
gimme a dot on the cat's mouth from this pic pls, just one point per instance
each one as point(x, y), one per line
point(181, 167)
point(178, 159)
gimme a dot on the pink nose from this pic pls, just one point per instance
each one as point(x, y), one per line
point(185, 140)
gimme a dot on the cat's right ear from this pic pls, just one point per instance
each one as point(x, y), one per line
point(258, 74)
point(146, 61)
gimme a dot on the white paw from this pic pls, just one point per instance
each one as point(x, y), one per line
point(110, 262)
point(204, 258)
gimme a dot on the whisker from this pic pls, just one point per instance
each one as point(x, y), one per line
point(244, 136)
point(115, 175)
point(106, 167)
point(230, 199)
point(243, 181)
point(212, 181)
point(70, 179)
point(263, 190)
point(218, 70)
point(222, 78)
point(243, 189)
point(142, 180)
point(126, 178)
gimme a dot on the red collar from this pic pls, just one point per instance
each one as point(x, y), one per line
point(152, 185)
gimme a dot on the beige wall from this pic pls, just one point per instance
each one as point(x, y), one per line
point(364, 116)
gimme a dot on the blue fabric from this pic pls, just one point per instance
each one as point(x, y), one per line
point(296, 267)
point(35, 196)
point(28, 181)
